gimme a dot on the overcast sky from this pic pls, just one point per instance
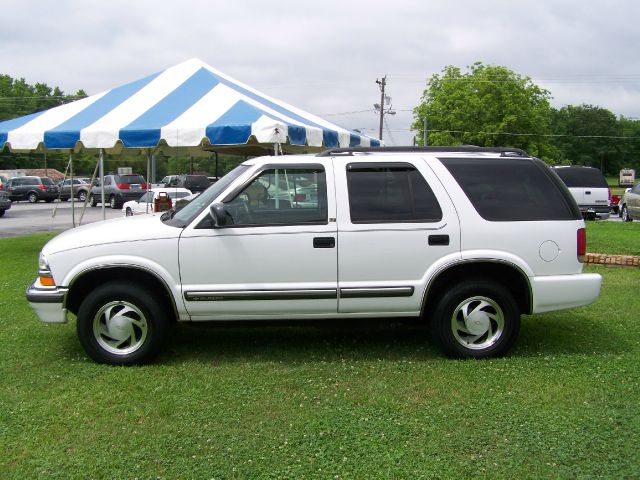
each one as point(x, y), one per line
point(325, 56)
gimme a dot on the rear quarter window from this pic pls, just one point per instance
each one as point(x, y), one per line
point(512, 189)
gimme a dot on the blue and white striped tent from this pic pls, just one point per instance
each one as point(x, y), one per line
point(190, 106)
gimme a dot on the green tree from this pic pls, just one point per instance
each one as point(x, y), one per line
point(588, 135)
point(486, 106)
point(629, 146)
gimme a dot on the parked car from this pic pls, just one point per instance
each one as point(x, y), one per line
point(81, 188)
point(465, 238)
point(118, 189)
point(166, 180)
point(5, 203)
point(32, 189)
point(3, 181)
point(629, 206)
point(589, 187)
point(195, 183)
point(146, 203)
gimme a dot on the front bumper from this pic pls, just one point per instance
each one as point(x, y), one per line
point(48, 302)
point(559, 292)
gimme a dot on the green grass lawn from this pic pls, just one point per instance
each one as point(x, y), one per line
point(613, 237)
point(332, 402)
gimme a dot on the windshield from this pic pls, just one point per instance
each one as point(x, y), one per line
point(202, 201)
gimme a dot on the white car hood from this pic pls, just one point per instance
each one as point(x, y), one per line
point(125, 229)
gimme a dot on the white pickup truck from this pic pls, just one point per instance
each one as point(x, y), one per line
point(466, 238)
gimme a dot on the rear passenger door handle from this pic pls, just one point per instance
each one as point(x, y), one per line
point(587, 192)
point(438, 239)
point(324, 242)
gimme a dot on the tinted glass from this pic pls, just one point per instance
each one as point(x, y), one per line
point(510, 189)
point(586, 177)
point(29, 181)
point(47, 181)
point(198, 180)
point(281, 196)
point(383, 193)
point(129, 179)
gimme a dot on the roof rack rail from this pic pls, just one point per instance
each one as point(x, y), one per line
point(503, 151)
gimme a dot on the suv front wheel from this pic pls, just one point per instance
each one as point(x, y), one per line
point(476, 319)
point(121, 323)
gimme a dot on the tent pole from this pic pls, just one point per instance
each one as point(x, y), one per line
point(73, 205)
point(104, 214)
point(146, 208)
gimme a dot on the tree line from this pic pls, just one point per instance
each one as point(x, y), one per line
point(492, 106)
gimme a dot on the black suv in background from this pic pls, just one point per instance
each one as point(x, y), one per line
point(32, 189)
point(195, 183)
point(118, 189)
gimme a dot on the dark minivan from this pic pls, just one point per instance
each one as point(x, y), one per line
point(32, 189)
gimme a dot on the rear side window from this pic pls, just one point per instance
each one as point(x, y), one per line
point(512, 189)
point(47, 181)
point(390, 193)
point(585, 177)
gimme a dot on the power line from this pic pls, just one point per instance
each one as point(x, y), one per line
point(615, 137)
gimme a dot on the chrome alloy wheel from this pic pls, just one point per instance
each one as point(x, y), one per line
point(477, 323)
point(120, 327)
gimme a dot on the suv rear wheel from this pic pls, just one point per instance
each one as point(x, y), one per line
point(122, 323)
point(477, 318)
point(113, 202)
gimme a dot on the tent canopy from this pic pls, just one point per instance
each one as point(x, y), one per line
point(190, 107)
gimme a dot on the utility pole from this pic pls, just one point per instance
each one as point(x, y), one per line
point(381, 106)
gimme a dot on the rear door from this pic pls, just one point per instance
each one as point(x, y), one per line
point(395, 223)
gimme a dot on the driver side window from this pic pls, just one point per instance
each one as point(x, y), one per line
point(287, 195)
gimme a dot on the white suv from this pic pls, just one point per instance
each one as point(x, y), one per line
point(466, 238)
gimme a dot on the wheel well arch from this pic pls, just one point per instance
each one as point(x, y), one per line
point(87, 280)
point(507, 274)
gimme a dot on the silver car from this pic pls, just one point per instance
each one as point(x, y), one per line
point(629, 206)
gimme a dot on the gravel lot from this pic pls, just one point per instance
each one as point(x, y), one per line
point(24, 218)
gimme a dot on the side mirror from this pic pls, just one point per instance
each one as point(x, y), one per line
point(219, 214)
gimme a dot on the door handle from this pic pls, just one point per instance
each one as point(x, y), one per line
point(587, 192)
point(438, 239)
point(324, 242)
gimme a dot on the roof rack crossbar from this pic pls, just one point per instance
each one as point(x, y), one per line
point(503, 151)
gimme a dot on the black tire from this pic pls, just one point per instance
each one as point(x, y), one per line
point(113, 202)
point(92, 201)
point(120, 339)
point(32, 197)
point(625, 215)
point(128, 212)
point(2, 212)
point(82, 195)
point(491, 325)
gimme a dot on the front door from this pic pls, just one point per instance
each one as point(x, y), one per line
point(278, 256)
